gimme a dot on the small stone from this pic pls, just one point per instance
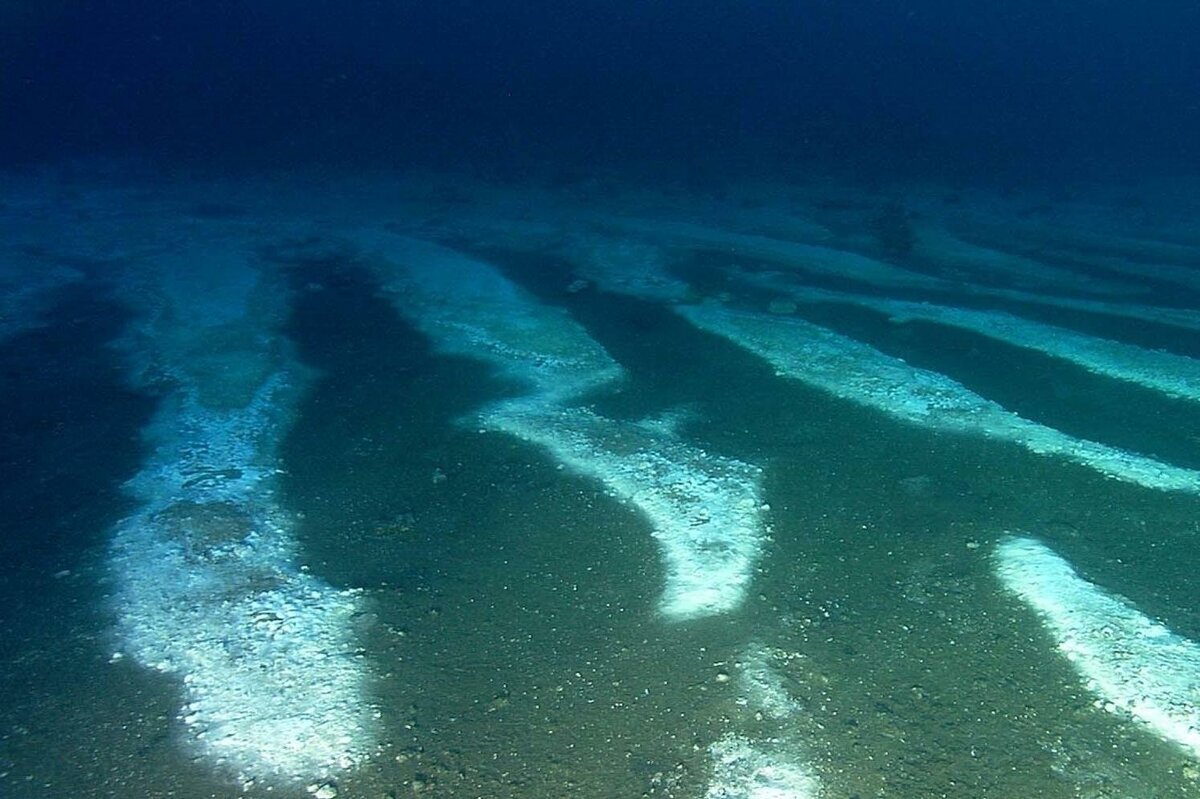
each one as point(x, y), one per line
point(324, 791)
point(723, 676)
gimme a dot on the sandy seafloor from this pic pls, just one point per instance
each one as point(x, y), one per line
point(511, 630)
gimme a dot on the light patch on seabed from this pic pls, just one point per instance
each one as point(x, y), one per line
point(771, 767)
point(761, 685)
point(806, 257)
point(627, 267)
point(705, 510)
point(854, 371)
point(1138, 257)
point(466, 307)
point(940, 247)
point(1130, 662)
point(208, 589)
point(1174, 375)
point(1185, 318)
point(973, 262)
point(833, 262)
point(757, 769)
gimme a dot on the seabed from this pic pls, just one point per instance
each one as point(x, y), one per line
point(425, 486)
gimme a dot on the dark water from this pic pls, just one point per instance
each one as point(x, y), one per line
point(691, 91)
point(354, 429)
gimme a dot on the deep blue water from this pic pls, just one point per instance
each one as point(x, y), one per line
point(1016, 90)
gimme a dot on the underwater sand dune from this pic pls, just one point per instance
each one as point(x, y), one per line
point(1132, 664)
point(626, 266)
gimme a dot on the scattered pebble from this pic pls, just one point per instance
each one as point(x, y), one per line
point(326, 790)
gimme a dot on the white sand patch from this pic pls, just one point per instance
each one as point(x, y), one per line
point(854, 371)
point(467, 307)
point(757, 769)
point(761, 683)
point(1174, 375)
point(1132, 663)
point(770, 766)
point(704, 510)
point(208, 589)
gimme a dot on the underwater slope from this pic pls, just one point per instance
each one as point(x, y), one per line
point(705, 510)
point(209, 591)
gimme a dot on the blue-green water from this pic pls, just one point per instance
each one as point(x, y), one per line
point(517, 400)
point(433, 487)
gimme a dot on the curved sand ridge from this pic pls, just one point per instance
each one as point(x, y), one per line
point(1129, 661)
point(208, 589)
point(705, 510)
point(854, 371)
